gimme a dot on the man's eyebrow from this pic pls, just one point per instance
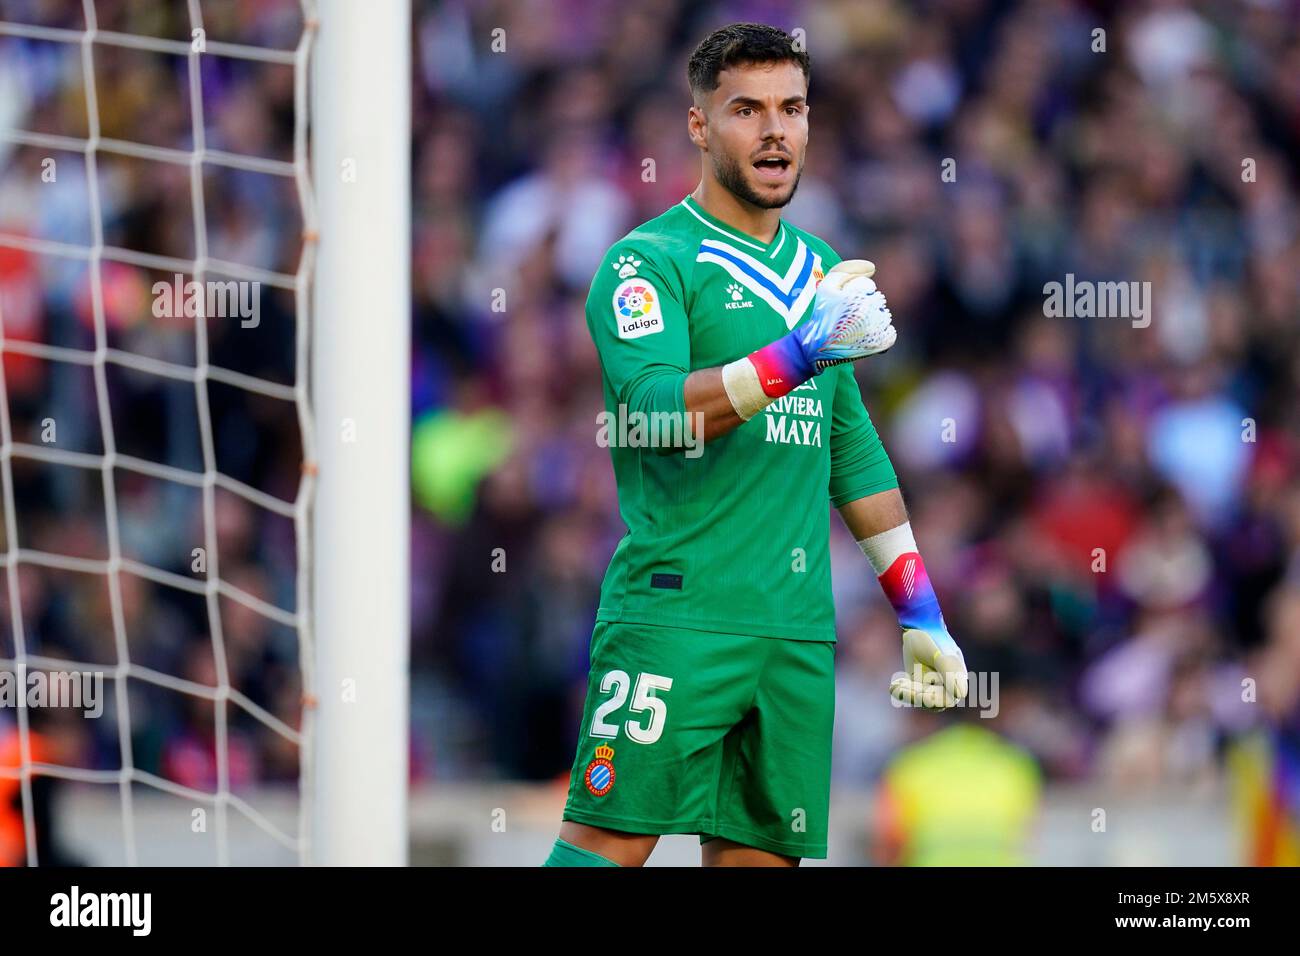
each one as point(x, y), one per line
point(742, 100)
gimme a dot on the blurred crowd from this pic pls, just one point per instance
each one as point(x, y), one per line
point(1110, 512)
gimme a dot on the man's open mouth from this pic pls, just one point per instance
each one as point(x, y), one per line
point(772, 167)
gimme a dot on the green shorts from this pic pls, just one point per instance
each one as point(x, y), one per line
point(724, 735)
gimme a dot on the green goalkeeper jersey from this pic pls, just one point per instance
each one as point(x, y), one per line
point(732, 536)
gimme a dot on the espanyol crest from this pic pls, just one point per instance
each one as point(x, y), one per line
point(600, 772)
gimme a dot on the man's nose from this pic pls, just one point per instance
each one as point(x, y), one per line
point(774, 128)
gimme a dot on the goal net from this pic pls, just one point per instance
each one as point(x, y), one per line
point(157, 446)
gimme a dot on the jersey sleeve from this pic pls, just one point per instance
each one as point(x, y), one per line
point(638, 323)
point(859, 464)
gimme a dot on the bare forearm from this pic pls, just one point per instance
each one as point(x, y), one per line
point(869, 516)
point(705, 395)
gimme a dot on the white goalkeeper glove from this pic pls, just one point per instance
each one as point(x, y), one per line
point(850, 320)
point(932, 678)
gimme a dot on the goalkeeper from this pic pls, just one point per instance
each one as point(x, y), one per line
point(710, 700)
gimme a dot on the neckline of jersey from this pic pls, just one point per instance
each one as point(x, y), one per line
point(754, 242)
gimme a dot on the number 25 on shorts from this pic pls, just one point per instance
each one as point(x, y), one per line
point(643, 699)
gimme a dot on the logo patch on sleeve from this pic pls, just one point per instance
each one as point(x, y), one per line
point(636, 307)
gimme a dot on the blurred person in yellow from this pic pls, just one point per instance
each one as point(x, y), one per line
point(960, 796)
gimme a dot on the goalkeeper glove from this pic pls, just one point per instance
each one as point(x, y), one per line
point(850, 320)
point(934, 676)
point(934, 670)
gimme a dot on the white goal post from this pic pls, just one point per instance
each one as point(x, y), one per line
point(361, 119)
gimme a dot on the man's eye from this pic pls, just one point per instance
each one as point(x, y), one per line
point(746, 111)
point(792, 111)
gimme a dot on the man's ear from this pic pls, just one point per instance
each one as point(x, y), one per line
point(697, 127)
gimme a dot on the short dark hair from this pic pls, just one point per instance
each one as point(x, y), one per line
point(737, 44)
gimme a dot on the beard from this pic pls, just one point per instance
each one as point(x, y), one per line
point(732, 176)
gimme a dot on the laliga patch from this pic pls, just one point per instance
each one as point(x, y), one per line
point(636, 306)
point(599, 777)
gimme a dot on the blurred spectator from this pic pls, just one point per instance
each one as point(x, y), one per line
point(962, 796)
